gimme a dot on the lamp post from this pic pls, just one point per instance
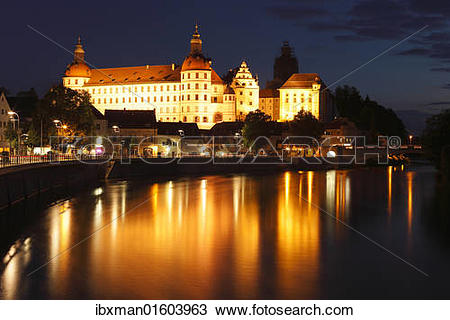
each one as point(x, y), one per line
point(58, 125)
point(12, 114)
point(410, 139)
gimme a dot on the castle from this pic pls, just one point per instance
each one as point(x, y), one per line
point(192, 92)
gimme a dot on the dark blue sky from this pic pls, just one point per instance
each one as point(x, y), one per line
point(329, 37)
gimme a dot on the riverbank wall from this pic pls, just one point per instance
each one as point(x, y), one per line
point(28, 181)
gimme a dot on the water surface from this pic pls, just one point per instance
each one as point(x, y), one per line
point(240, 236)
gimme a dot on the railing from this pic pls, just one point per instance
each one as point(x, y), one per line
point(11, 161)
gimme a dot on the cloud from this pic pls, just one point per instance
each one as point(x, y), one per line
point(439, 103)
point(440, 69)
point(366, 20)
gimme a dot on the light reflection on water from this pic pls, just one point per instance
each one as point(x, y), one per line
point(226, 237)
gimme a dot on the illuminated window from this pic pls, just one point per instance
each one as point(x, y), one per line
point(188, 109)
point(205, 119)
point(148, 99)
point(196, 97)
point(168, 98)
point(206, 85)
point(196, 75)
point(117, 100)
point(148, 88)
point(174, 98)
point(182, 87)
point(189, 86)
point(196, 86)
point(189, 75)
point(135, 99)
point(168, 88)
point(184, 119)
point(174, 109)
point(154, 99)
point(76, 81)
point(93, 90)
point(205, 97)
point(162, 88)
point(205, 75)
point(250, 103)
point(123, 100)
point(251, 93)
point(161, 99)
point(142, 89)
point(174, 87)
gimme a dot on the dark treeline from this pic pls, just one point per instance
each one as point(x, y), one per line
point(367, 114)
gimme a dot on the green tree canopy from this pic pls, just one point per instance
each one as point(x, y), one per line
point(256, 125)
point(367, 114)
point(305, 124)
point(71, 107)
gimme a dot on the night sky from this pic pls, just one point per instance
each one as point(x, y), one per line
point(331, 38)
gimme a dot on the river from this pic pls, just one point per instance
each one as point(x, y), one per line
point(339, 234)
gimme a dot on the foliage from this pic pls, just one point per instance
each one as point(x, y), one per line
point(11, 134)
point(305, 124)
point(436, 136)
point(256, 125)
point(367, 114)
point(71, 107)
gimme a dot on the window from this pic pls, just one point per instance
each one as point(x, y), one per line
point(162, 88)
point(189, 86)
point(250, 103)
point(184, 119)
point(196, 108)
point(154, 99)
point(104, 100)
point(174, 98)
point(142, 89)
point(251, 93)
point(168, 98)
point(93, 90)
point(197, 119)
point(215, 99)
point(183, 75)
point(135, 99)
point(188, 109)
point(142, 99)
point(189, 75)
point(174, 109)
point(148, 99)
point(206, 86)
point(240, 93)
point(154, 88)
point(161, 99)
point(196, 75)
point(174, 87)
point(205, 119)
point(189, 97)
point(117, 100)
point(196, 86)
point(76, 81)
point(196, 97)
point(205, 75)
point(182, 87)
point(205, 97)
point(168, 88)
point(148, 88)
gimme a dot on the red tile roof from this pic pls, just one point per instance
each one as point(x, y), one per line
point(302, 80)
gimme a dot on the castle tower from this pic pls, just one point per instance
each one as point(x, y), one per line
point(246, 88)
point(196, 86)
point(78, 72)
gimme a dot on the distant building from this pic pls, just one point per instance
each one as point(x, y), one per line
point(4, 121)
point(192, 92)
point(284, 66)
point(306, 91)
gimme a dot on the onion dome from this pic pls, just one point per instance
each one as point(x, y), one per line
point(78, 67)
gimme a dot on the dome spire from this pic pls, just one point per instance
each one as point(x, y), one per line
point(196, 42)
point(78, 53)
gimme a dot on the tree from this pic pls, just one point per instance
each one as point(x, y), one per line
point(11, 135)
point(72, 108)
point(436, 136)
point(256, 125)
point(305, 124)
point(367, 114)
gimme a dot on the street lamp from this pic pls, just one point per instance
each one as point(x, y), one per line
point(116, 129)
point(12, 114)
point(410, 139)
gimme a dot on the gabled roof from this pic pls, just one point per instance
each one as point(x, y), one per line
point(226, 128)
point(171, 128)
point(97, 114)
point(131, 119)
point(302, 80)
point(134, 75)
